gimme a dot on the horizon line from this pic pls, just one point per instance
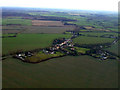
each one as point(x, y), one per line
point(58, 8)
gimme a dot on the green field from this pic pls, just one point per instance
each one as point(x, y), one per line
point(7, 34)
point(92, 40)
point(18, 21)
point(40, 56)
point(114, 48)
point(14, 17)
point(81, 50)
point(98, 33)
point(29, 42)
point(64, 72)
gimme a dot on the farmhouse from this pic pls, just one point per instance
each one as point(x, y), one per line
point(22, 56)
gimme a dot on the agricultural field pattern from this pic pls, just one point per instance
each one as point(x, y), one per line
point(57, 48)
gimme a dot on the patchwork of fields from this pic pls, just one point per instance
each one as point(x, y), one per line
point(36, 29)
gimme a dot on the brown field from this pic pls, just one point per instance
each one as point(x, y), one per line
point(46, 23)
point(89, 27)
point(40, 29)
point(12, 29)
point(95, 29)
point(36, 29)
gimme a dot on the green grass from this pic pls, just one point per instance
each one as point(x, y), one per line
point(16, 21)
point(0, 21)
point(7, 34)
point(114, 48)
point(29, 41)
point(81, 50)
point(98, 22)
point(64, 72)
point(92, 40)
point(98, 33)
point(42, 56)
point(13, 17)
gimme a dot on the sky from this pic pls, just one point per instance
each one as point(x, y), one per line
point(102, 5)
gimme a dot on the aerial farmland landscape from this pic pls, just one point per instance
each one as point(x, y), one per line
point(59, 48)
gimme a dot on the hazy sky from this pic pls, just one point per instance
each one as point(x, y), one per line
point(107, 5)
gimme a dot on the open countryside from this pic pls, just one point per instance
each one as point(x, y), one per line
point(48, 48)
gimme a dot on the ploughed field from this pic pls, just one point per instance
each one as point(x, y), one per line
point(36, 29)
point(22, 25)
point(46, 23)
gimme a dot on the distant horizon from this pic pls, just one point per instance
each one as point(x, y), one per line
point(57, 8)
point(94, 5)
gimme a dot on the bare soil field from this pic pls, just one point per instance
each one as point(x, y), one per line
point(43, 29)
point(12, 29)
point(46, 23)
point(36, 29)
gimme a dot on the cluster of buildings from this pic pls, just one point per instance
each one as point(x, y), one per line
point(103, 55)
point(22, 55)
point(59, 46)
point(66, 46)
